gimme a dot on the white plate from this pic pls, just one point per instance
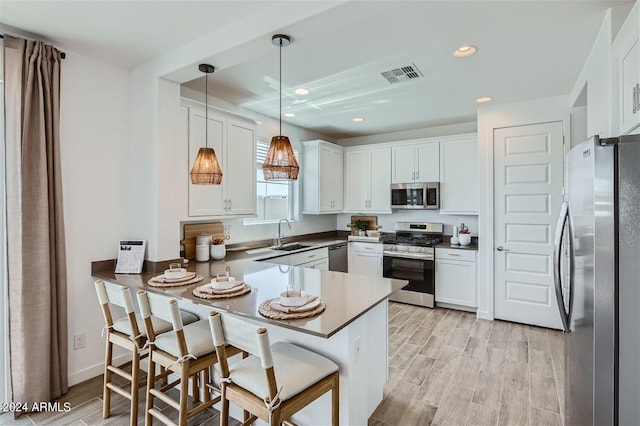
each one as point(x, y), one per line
point(223, 285)
point(293, 301)
point(307, 307)
point(239, 286)
point(175, 273)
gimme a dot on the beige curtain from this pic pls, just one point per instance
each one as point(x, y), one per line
point(35, 232)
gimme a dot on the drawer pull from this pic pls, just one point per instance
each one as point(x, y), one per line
point(454, 254)
point(311, 255)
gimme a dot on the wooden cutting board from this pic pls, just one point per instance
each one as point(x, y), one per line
point(192, 230)
point(371, 220)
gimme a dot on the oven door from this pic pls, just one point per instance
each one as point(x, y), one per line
point(421, 276)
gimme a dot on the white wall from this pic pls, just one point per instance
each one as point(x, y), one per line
point(95, 141)
point(426, 132)
point(388, 221)
point(596, 78)
point(491, 117)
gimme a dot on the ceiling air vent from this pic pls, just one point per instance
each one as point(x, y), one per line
point(401, 74)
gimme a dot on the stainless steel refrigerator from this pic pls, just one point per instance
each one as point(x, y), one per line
point(597, 274)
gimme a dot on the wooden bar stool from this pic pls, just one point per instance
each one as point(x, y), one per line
point(125, 332)
point(187, 351)
point(275, 382)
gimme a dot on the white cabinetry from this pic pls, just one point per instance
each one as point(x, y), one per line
point(367, 180)
point(627, 49)
point(456, 277)
point(322, 177)
point(459, 175)
point(365, 259)
point(234, 141)
point(317, 258)
point(419, 162)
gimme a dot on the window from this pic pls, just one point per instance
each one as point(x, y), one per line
point(275, 199)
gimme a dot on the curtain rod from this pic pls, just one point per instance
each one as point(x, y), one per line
point(62, 54)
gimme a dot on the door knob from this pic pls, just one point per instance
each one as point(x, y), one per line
point(500, 248)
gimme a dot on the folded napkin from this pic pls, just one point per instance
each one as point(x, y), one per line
point(276, 306)
point(162, 279)
point(210, 290)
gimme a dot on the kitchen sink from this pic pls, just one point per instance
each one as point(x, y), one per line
point(291, 247)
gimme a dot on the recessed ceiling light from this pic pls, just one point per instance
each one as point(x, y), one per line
point(484, 99)
point(302, 92)
point(358, 119)
point(464, 51)
point(289, 114)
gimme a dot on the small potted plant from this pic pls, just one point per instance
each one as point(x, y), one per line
point(361, 227)
point(218, 249)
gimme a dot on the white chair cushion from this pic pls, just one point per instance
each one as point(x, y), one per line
point(296, 369)
point(198, 338)
point(159, 326)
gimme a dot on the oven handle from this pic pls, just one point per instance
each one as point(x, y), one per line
point(407, 256)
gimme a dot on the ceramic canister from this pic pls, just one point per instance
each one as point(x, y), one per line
point(202, 252)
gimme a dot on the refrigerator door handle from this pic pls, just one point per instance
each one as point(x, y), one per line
point(557, 256)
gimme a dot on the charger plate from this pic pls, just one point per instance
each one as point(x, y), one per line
point(203, 295)
point(193, 280)
point(266, 310)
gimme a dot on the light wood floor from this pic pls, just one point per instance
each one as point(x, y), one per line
point(449, 368)
point(446, 368)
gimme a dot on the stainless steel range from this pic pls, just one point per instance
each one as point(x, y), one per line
point(410, 255)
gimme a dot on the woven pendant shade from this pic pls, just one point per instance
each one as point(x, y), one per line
point(206, 169)
point(280, 163)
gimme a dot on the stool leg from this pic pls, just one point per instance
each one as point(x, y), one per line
point(135, 377)
point(275, 417)
point(207, 394)
point(151, 373)
point(106, 392)
point(195, 380)
point(224, 405)
point(335, 402)
point(184, 394)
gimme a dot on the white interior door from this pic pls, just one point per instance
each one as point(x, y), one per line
point(528, 179)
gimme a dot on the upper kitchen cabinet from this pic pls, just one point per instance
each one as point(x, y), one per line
point(627, 51)
point(459, 175)
point(367, 180)
point(322, 177)
point(234, 141)
point(418, 162)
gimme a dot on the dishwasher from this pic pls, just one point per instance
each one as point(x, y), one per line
point(338, 257)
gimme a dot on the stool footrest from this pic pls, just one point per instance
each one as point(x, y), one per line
point(165, 398)
point(169, 385)
point(164, 419)
point(120, 372)
point(119, 390)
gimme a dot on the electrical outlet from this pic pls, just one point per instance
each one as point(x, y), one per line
point(356, 348)
point(79, 341)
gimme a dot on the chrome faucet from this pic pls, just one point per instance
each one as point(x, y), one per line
point(280, 236)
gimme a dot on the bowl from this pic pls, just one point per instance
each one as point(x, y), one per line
point(223, 283)
point(286, 299)
point(464, 239)
point(172, 274)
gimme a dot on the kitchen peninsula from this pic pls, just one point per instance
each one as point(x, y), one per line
point(352, 331)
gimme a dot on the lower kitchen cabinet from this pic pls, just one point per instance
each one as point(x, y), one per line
point(456, 277)
point(317, 259)
point(365, 259)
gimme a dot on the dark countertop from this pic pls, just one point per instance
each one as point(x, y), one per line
point(347, 296)
point(446, 244)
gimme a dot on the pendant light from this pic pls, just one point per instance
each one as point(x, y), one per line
point(206, 169)
point(280, 163)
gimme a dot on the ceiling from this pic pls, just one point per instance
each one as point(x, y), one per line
point(526, 50)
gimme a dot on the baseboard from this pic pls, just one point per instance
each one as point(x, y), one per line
point(485, 315)
point(95, 370)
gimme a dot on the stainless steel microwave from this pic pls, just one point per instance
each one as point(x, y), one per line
point(425, 195)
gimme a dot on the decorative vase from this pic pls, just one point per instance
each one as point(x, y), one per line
point(465, 239)
point(218, 251)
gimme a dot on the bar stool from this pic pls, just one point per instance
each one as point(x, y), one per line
point(187, 351)
point(125, 332)
point(277, 380)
